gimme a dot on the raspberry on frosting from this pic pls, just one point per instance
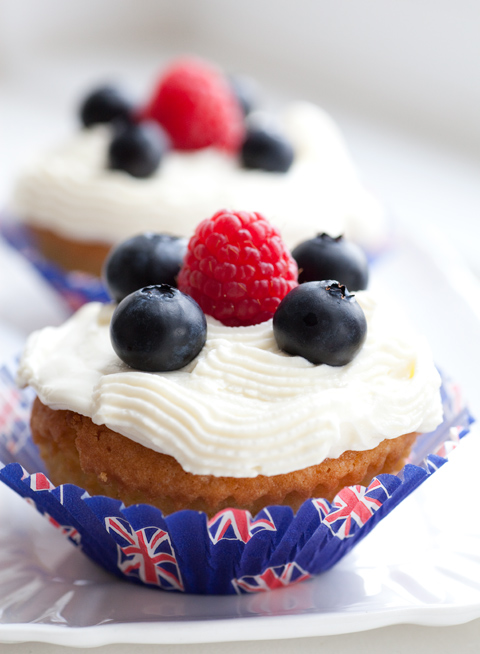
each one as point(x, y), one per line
point(237, 268)
point(196, 105)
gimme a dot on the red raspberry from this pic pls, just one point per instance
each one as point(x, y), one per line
point(196, 105)
point(237, 268)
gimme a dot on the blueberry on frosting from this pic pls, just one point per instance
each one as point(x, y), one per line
point(158, 329)
point(322, 322)
point(138, 149)
point(265, 149)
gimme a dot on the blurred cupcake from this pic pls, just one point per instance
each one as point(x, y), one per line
point(188, 150)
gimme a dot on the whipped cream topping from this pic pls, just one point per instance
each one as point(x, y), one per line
point(242, 407)
point(71, 192)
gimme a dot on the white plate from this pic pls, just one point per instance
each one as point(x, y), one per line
point(420, 565)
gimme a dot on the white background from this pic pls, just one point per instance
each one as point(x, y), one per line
point(400, 76)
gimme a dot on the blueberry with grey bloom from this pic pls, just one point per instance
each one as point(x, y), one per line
point(327, 257)
point(158, 329)
point(143, 260)
point(138, 149)
point(322, 322)
point(104, 105)
point(267, 150)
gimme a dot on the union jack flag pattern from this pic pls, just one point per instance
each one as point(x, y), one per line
point(233, 524)
point(351, 508)
point(270, 579)
point(146, 554)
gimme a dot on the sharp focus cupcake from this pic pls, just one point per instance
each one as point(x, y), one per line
point(281, 393)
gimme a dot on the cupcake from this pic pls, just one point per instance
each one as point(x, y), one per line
point(239, 389)
point(189, 149)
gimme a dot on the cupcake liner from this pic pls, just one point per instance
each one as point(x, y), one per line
point(76, 288)
point(234, 552)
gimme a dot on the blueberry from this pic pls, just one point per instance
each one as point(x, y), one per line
point(325, 257)
point(138, 149)
point(320, 321)
point(246, 91)
point(266, 150)
point(157, 329)
point(104, 105)
point(143, 260)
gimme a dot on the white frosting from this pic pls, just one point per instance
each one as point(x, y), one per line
point(242, 407)
point(70, 191)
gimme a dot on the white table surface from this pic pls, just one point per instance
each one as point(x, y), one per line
point(423, 183)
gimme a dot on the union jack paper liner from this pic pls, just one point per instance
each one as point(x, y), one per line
point(76, 288)
point(234, 552)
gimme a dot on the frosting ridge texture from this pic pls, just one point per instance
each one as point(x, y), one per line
point(70, 191)
point(242, 407)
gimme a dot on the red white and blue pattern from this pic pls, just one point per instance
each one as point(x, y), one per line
point(146, 554)
point(271, 578)
point(351, 508)
point(39, 482)
point(66, 530)
point(15, 403)
point(234, 524)
point(231, 553)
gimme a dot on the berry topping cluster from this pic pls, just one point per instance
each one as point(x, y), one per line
point(136, 148)
point(237, 268)
point(193, 106)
